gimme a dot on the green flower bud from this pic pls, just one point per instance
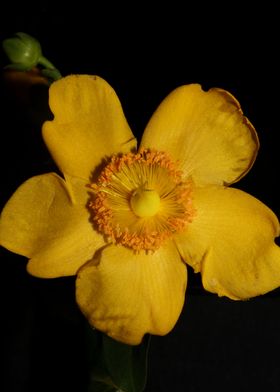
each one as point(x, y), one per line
point(23, 51)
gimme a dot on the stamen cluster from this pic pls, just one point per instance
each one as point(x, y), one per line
point(120, 179)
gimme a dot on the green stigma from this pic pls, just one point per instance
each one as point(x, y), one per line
point(145, 202)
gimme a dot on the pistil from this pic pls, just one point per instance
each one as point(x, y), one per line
point(145, 202)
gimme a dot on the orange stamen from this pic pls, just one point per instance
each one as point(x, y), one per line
point(120, 179)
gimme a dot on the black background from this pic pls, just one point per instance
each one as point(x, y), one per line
point(144, 53)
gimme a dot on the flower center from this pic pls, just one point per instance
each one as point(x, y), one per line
point(145, 202)
point(140, 200)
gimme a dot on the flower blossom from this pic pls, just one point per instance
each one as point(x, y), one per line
point(128, 221)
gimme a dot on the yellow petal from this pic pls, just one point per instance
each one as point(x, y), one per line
point(127, 295)
point(206, 131)
point(47, 221)
point(231, 240)
point(89, 124)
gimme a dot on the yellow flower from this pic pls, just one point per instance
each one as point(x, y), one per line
point(127, 221)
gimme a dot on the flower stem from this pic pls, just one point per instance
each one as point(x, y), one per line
point(50, 70)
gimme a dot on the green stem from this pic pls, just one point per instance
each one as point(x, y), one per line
point(55, 74)
point(45, 62)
